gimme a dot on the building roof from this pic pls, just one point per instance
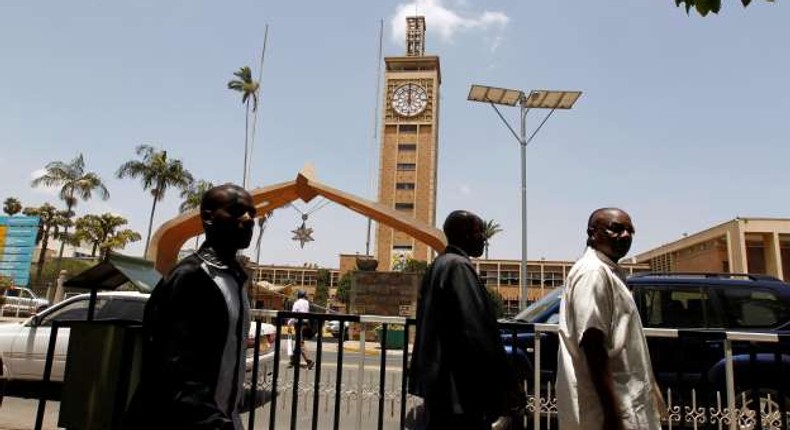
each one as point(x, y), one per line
point(116, 270)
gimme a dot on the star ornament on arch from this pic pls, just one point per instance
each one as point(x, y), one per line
point(303, 234)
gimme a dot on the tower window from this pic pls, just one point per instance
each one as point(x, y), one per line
point(407, 166)
point(407, 147)
point(404, 206)
point(407, 128)
point(404, 186)
point(402, 248)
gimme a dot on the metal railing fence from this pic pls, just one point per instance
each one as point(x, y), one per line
point(742, 383)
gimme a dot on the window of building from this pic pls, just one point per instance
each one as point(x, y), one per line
point(407, 166)
point(404, 206)
point(401, 247)
point(407, 147)
point(404, 186)
point(407, 128)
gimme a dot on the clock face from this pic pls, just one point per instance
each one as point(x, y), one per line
point(409, 99)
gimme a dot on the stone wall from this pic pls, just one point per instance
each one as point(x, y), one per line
point(384, 293)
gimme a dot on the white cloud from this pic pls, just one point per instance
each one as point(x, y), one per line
point(446, 22)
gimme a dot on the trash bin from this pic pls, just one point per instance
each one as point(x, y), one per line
point(395, 338)
point(101, 374)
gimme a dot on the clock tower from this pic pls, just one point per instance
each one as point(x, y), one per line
point(409, 145)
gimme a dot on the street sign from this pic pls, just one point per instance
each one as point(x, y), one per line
point(17, 243)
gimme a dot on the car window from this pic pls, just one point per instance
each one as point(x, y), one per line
point(676, 307)
point(539, 308)
point(74, 311)
point(754, 307)
point(123, 308)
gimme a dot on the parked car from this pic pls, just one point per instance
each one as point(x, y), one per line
point(703, 302)
point(334, 328)
point(21, 302)
point(23, 345)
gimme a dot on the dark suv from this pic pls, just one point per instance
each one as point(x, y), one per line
point(705, 305)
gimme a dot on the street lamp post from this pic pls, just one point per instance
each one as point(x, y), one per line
point(538, 99)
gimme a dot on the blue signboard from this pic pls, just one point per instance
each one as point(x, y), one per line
point(17, 243)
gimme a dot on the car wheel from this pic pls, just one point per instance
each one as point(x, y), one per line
point(769, 402)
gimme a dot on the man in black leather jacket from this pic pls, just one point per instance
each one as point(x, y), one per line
point(459, 366)
point(195, 327)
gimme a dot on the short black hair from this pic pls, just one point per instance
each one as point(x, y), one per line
point(209, 202)
point(594, 216)
point(458, 224)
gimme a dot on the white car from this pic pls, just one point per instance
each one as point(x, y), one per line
point(23, 345)
point(21, 302)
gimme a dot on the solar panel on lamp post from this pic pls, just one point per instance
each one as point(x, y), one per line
point(537, 99)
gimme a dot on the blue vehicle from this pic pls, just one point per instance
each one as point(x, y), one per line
point(701, 306)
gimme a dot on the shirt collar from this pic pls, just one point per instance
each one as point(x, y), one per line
point(608, 261)
point(209, 255)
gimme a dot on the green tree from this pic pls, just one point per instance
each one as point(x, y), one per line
point(74, 183)
point(415, 266)
point(248, 88)
point(156, 173)
point(72, 266)
point(12, 206)
point(103, 233)
point(323, 278)
point(496, 301)
point(50, 221)
point(192, 195)
point(6, 282)
point(703, 7)
point(344, 287)
point(491, 229)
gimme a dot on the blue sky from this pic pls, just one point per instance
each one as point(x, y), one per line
point(683, 121)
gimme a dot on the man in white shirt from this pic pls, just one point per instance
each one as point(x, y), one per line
point(300, 305)
point(604, 376)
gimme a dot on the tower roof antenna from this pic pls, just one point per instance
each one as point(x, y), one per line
point(415, 36)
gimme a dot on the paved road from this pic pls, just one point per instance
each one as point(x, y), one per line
point(354, 407)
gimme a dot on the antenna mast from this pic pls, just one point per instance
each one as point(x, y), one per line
point(375, 139)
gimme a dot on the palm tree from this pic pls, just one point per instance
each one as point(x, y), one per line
point(157, 173)
point(192, 196)
point(101, 232)
point(12, 206)
point(74, 183)
point(50, 220)
point(248, 88)
point(491, 228)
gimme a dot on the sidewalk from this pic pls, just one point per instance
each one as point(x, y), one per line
point(371, 347)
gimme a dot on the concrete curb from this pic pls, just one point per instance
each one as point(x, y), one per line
point(355, 347)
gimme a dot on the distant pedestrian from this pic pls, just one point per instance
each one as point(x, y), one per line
point(458, 365)
point(303, 327)
point(604, 377)
point(196, 325)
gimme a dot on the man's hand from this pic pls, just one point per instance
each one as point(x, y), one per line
point(598, 361)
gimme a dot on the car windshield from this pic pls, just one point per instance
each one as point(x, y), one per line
point(539, 308)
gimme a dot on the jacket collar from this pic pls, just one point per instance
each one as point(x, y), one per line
point(452, 249)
